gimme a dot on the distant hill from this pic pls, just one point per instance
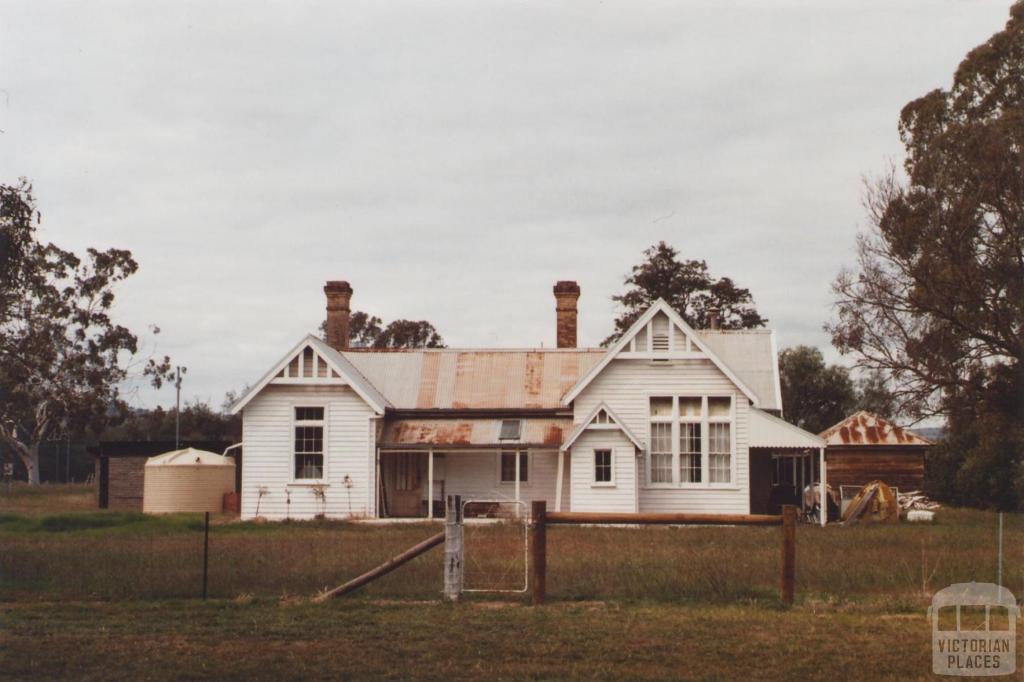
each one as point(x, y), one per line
point(932, 433)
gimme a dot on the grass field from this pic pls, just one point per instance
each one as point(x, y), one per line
point(366, 639)
point(116, 591)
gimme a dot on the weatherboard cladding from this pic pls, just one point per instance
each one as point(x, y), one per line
point(627, 385)
point(618, 496)
point(267, 433)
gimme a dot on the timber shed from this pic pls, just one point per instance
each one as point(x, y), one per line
point(121, 466)
point(864, 448)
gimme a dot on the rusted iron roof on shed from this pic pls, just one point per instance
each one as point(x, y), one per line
point(864, 428)
point(474, 379)
point(468, 433)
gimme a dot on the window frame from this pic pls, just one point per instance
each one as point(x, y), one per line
point(518, 430)
point(323, 423)
point(673, 434)
point(705, 420)
point(523, 452)
point(729, 419)
point(699, 423)
point(610, 483)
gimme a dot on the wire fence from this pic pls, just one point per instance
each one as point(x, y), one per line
point(290, 559)
point(119, 555)
point(495, 542)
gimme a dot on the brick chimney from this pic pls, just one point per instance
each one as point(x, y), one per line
point(338, 296)
point(714, 318)
point(566, 295)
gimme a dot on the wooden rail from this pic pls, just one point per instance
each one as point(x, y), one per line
point(541, 519)
point(665, 519)
point(385, 568)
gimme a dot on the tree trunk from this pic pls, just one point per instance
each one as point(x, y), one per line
point(31, 462)
point(26, 450)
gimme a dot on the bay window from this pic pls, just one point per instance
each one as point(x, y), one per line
point(691, 440)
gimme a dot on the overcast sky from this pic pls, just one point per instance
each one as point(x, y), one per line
point(452, 160)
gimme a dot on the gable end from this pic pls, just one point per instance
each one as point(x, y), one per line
point(312, 362)
point(659, 335)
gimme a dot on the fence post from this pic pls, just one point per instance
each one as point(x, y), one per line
point(206, 552)
point(539, 566)
point(453, 548)
point(788, 553)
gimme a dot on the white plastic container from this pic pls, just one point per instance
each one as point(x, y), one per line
point(187, 481)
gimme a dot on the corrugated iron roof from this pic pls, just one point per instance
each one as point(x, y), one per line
point(474, 379)
point(464, 433)
point(534, 378)
point(750, 353)
point(864, 428)
point(767, 431)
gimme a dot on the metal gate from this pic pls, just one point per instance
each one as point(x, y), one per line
point(495, 546)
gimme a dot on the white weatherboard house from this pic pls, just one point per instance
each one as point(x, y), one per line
point(668, 419)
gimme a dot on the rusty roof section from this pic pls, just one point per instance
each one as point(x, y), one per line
point(864, 428)
point(474, 379)
point(469, 433)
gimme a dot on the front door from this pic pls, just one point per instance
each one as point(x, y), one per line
point(407, 472)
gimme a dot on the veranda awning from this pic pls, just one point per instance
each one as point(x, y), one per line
point(767, 431)
point(445, 434)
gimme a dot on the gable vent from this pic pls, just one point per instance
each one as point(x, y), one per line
point(659, 343)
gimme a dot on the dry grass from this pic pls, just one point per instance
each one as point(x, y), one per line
point(111, 555)
point(896, 566)
point(263, 640)
point(25, 500)
point(638, 603)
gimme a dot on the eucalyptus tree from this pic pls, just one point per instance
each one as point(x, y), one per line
point(63, 359)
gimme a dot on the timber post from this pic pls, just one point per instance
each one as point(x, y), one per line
point(539, 565)
point(788, 553)
point(206, 552)
point(453, 548)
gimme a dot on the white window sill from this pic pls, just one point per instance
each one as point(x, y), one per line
point(309, 483)
point(603, 484)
